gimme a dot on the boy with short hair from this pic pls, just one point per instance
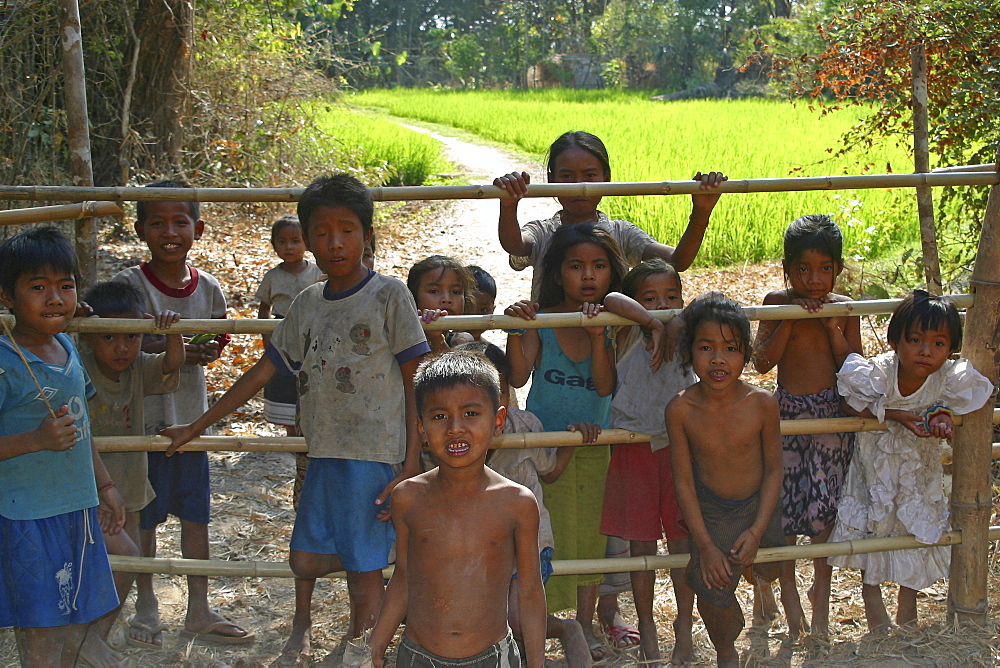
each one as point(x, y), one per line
point(462, 530)
point(55, 579)
point(353, 342)
point(122, 376)
point(726, 456)
point(168, 282)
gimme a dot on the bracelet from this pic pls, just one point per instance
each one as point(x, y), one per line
point(749, 531)
point(515, 332)
point(933, 412)
point(108, 485)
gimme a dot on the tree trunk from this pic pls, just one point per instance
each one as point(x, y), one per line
point(921, 164)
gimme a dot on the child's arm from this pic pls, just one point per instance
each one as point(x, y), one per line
point(910, 420)
point(772, 336)
point(508, 230)
point(627, 307)
point(396, 598)
point(111, 511)
point(173, 343)
point(844, 335)
point(602, 369)
point(564, 456)
point(702, 205)
point(411, 463)
point(523, 347)
point(54, 433)
point(264, 313)
point(530, 592)
point(745, 548)
point(245, 387)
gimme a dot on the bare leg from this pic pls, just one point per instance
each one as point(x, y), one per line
point(723, 626)
point(44, 647)
point(765, 607)
point(298, 643)
point(194, 545)
point(819, 593)
point(567, 631)
point(683, 652)
point(366, 591)
point(144, 626)
point(906, 606)
point(95, 650)
point(642, 592)
point(878, 618)
point(797, 624)
point(586, 606)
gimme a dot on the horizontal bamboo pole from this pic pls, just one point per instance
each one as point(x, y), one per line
point(548, 439)
point(983, 167)
point(385, 194)
point(48, 214)
point(465, 322)
point(275, 569)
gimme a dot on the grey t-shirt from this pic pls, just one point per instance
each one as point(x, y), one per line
point(279, 287)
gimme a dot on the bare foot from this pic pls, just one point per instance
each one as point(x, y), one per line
point(95, 652)
point(298, 646)
point(683, 653)
point(765, 607)
point(210, 626)
point(649, 644)
point(575, 645)
point(594, 644)
point(144, 627)
point(878, 617)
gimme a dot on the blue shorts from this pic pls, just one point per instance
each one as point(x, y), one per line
point(54, 571)
point(337, 513)
point(181, 486)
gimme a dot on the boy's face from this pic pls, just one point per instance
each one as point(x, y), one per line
point(716, 356)
point(813, 275)
point(169, 231)
point(660, 291)
point(337, 240)
point(115, 352)
point(484, 303)
point(458, 423)
point(288, 244)
point(44, 301)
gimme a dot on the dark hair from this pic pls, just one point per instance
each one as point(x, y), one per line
point(372, 244)
point(444, 262)
point(633, 279)
point(115, 298)
point(484, 282)
point(142, 206)
point(442, 372)
point(288, 220)
point(493, 353)
point(336, 190)
point(814, 231)
point(567, 236)
point(720, 310)
point(34, 249)
point(922, 310)
point(578, 139)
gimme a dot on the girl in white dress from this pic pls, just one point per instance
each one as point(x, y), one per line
point(894, 485)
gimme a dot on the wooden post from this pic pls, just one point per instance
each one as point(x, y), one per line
point(971, 496)
point(78, 127)
point(922, 165)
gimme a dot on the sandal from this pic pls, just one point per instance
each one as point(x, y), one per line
point(622, 637)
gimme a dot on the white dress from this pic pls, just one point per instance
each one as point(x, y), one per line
point(894, 485)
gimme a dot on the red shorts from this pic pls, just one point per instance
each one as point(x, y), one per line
point(639, 499)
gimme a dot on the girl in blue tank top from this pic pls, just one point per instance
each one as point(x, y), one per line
point(572, 381)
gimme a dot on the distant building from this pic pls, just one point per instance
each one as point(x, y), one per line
point(566, 71)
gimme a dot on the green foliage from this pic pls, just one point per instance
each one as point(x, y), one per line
point(650, 141)
point(465, 60)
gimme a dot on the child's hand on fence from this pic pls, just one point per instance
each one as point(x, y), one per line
point(809, 304)
point(179, 434)
point(524, 309)
point(656, 346)
point(56, 433)
point(590, 309)
point(83, 310)
point(111, 511)
point(942, 426)
point(589, 431)
point(209, 352)
point(715, 568)
point(704, 202)
point(744, 549)
point(910, 420)
point(164, 319)
point(672, 337)
point(515, 183)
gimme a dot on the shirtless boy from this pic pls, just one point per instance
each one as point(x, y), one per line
point(461, 531)
point(727, 466)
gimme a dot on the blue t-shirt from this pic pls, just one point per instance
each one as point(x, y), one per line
point(46, 483)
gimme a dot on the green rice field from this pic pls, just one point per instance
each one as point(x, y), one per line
point(656, 141)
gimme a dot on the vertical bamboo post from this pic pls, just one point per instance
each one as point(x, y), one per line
point(971, 496)
point(922, 165)
point(78, 127)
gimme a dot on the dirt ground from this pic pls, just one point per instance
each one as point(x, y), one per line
point(251, 493)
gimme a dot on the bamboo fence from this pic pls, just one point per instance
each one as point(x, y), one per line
point(49, 214)
point(606, 189)
point(275, 569)
point(464, 322)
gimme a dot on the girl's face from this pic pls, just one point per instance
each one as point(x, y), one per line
point(441, 289)
point(921, 352)
point(289, 245)
point(585, 273)
point(813, 274)
point(660, 291)
point(575, 165)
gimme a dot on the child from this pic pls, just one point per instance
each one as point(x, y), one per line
point(441, 286)
point(726, 454)
point(529, 467)
point(639, 501)
point(462, 531)
point(894, 486)
point(123, 375)
point(167, 281)
point(485, 296)
point(808, 354)
point(581, 157)
point(55, 578)
point(353, 343)
point(572, 381)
